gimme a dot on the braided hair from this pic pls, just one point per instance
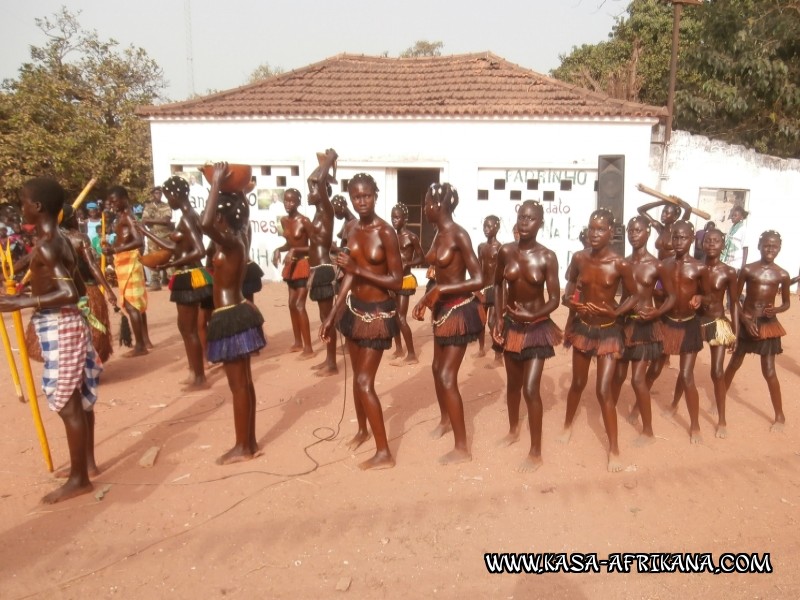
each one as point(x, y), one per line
point(603, 213)
point(641, 220)
point(402, 208)
point(444, 195)
point(176, 186)
point(362, 178)
point(770, 233)
point(233, 208)
point(338, 201)
point(494, 219)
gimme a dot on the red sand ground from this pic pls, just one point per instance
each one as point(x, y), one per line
point(276, 527)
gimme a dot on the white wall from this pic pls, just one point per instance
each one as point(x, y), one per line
point(774, 186)
point(468, 154)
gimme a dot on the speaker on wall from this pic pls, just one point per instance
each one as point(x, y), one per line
point(611, 194)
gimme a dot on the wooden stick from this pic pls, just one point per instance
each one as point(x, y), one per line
point(12, 364)
point(671, 199)
point(85, 192)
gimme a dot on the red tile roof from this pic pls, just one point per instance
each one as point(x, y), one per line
point(465, 85)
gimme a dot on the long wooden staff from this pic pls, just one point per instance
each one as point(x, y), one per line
point(11, 290)
point(12, 364)
point(671, 199)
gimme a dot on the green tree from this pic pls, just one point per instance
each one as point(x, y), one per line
point(264, 71)
point(747, 84)
point(73, 114)
point(423, 48)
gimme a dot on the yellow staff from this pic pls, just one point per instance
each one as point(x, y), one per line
point(103, 241)
point(12, 364)
point(11, 290)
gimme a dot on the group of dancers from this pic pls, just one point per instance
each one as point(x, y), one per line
point(669, 305)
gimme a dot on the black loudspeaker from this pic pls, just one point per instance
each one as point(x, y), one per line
point(611, 194)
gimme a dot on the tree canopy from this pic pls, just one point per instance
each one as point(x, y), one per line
point(70, 112)
point(423, 48)
point(264, 71)
point(738, 74)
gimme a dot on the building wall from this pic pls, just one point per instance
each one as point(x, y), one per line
point(470, 154)
point(771, 186)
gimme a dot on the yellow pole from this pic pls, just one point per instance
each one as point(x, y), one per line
point(11, 290)
point(85, 192)
point(103, 241)
point(12, 364)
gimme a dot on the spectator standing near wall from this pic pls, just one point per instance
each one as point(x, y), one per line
point(157, 217)
point(736, 242)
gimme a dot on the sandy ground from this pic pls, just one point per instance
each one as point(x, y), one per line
point(302, 519)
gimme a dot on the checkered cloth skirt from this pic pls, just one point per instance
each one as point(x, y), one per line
point(70, 360)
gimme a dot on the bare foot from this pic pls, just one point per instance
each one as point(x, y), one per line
point(327, 371)
point(479, 354)
point(530, 464)
point(712, 410)
point(307, 355)
point(133, 353)
point(295, 347)
point(235, 455)
point(644, 440)
point(669, 412)
point(455, 456)
point(493, 365)
point(149, 345)
point(197, 383)
point(441, 429)
point(67, 491)
point(381, 460)
point(565, 435)
point(695, 437)
point(398, 354)
point(511, 438)
point(633, 416)
point(722, 432)
point(321, 365)
point(777, 427)
point(63, 472)
point(358, 439)
point(614, 463)
point(411, 359)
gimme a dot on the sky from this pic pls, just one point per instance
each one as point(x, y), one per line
point(230, 39)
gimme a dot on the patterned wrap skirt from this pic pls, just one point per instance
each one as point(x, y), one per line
point(235, 331)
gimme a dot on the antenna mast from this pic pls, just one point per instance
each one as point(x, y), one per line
point(187, 9)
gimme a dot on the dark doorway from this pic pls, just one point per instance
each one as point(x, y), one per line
point(411, 187)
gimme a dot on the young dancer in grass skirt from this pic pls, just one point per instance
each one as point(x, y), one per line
point(235, 329)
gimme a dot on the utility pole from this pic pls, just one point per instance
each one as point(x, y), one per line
point(187, 12)
point(677, 8)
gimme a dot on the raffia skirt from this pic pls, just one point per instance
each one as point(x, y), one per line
point(768, 341)
point(296, 272)
point(524, 341)
point(681, 336)
point(457, 320)
point(235, 331)
point(252, 279)
point(717, 332)
point(643, 339)
point(369, 324)
point(595, 340)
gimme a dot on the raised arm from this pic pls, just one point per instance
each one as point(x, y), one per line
point(655, 223)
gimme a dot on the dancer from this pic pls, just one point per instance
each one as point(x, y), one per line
point(320, 237)
point(373, 266)
point(715, 327)
point(296, 271)
point(456, 314)
point(412, 256)
point(680, 325)
point(343, 213)
point(71, 367)
point(526, 333)
point(670, 215)
point(760, 332)
point(126, 250)
point(190, 286)
point(595, 330)
point(487, 257)
point(235, 329)
point(642, 326)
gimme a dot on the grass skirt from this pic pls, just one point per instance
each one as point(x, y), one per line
point(191, 286)
point(296, 272)
point(524, 341)
point(768, 341)
point(681, 337)
point(457, 320)
point(369, 324)
point(252, 279)
point(717, 332)
point(235, 331)
point(409, 286)
point(322, 285)
point(643, 339)
point(488, 295)
point(595, 340)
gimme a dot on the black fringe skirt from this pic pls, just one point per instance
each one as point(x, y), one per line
point(457, 320)
point(252, 279)
point(488, 296)
point(595, 340)
point(768, 341)
point(322, 285)
point(192, 286)
point(643, 339)
point(681, 337)
point(524, 341)
point(235, 331)
point(369, 324)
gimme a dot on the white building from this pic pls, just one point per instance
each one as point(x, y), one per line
point(500, 133)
